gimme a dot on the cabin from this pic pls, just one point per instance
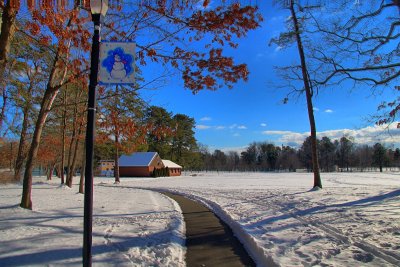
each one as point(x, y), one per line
point(173, 168)
point(139, 164)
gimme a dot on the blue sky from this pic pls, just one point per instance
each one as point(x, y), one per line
point(230, 119)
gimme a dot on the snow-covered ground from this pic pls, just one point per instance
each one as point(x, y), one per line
point(353, 221)
point(131, 227)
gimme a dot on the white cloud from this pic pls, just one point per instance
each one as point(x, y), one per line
point(220, 127)
point(236, 135)
point(316, 109)
point(278, 48)
point(236, 126)
point(276, 132)
point(202, 127)
point(328, 111)
point(233, 126)
point(206, 127)
point(387, 134)
point(263, 124)
point(205, 119)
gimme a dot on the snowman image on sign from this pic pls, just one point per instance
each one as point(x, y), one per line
point(118, 64)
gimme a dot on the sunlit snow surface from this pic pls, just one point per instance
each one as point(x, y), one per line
point(353, 221)
point(131, 227)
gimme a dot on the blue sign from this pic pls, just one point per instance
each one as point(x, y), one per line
point(117, 63)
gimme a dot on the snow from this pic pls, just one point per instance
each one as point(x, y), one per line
point(353, 221)
point(131, 227)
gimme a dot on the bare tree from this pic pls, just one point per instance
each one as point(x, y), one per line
point(360, 48)
point(295, 35)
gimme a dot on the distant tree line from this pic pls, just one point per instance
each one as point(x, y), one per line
point(173, 138)
point(338, 155)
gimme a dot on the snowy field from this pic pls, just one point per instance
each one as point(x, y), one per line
point(130, 227)
point(353, 221)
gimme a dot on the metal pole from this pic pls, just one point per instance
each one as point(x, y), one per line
point(90, 129)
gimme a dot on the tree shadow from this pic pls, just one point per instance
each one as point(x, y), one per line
point(361, 202)
point(73, 256)
point(44, 228)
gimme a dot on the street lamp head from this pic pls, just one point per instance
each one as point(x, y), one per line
point(99, 7)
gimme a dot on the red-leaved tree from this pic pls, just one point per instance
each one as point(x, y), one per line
point(68, 28)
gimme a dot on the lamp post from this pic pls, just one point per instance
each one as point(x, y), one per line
point(98, 8)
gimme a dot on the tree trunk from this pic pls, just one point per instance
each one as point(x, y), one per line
point(116, 159)
point(71, 166)
point(70, 153)
point(21, 147)
point(73, 145)
point(116, 133)
point(308, 89)
point(50, 171)
point(82, 178)
point(63, 134)
point(58, 171)
point(21, 155)
point(48, 98)
point(3, 108)
point(6, 35)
